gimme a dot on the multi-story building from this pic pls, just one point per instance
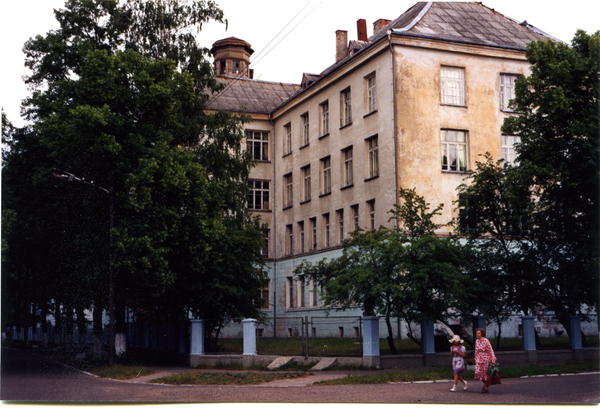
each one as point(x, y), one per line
point(412, 106)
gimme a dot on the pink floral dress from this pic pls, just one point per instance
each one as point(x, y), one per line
point(484, 354)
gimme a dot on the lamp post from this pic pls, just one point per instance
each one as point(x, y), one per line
point(63, 175)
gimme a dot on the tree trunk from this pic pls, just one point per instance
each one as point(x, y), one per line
point(390, 337)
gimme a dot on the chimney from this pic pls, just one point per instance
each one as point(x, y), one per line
point(341, 45)
point(361, 28)
point(379, 24)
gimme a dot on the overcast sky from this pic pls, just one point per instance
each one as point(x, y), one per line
point(301, 33)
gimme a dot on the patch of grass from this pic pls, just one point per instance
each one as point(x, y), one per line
point(119, 372)
point(446, 373)
point(196, 378)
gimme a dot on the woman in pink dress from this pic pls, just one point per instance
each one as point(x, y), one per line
point(484, 354)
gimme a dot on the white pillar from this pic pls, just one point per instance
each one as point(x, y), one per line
point(197, 343)
point(249, 336)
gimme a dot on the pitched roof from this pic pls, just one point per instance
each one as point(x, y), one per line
point(250, 95)
point(463, 22)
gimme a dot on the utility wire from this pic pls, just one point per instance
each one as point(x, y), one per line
point(239, 76)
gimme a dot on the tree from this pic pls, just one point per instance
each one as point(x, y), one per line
point(396, 273)
point(558, 161)
point(119, 95)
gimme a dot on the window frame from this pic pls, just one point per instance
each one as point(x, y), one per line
point(289, 239)
point(355, 216)
point(305, 119)
point(287, 144)
point(301, 236)
point(262, 143)
point(262, 192)
point(288, 192)
point(452, 88)
point(445, 147)
point(340, 225)
point(306, 183)
point(346, 107)
point(508, 149)
point(313, 233)
point(326, 230)
point(371, 93)
point(348, 166)
point(371, 214)
point(325, 175)
point(504, 87)
point(324, 115)
point(372, 156)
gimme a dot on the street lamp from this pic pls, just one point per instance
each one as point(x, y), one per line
point(63, 175)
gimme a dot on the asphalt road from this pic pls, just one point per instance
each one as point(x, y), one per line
point(29, 376)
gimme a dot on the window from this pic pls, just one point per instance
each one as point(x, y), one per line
point(258, 145)
point(508, 148)
point(259, 195)
point(346, 107)
point(265, 250)
point(326, 231)
point(324, 109)
point(301, 286)
point(223, 68)
point(507, 90)
point(305, 183)
point(301, 236)
point(236, 67)
point(340, 224)
point(326, 175)
point(347, 170)
point(289, 240)
point(454, 150)
point(287, 145)
point(313, 293)
point(354, 209)
point(371, 213)
point(313, 233)
point(453, 86)
point(290, 293)
point(305, 129)
point(288, 197)
point(467, 215)
point(264, 295)
point(373, 149)
point(371, 94)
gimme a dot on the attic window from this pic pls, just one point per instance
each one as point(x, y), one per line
point(236, 67)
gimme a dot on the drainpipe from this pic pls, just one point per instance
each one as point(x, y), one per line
point(274, 245)
point(394, 135)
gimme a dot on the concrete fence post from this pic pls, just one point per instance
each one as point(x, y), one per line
point(371, 354)
point(529, 338)
point(249, 326)
point(197, 343)
point(427, 337)
point(575, 341)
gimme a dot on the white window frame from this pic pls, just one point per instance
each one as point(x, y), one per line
point(305, 183)
point(326, 230)
point(326, 175)
point(348, 167)
point(373, 157)
point(346, 107)
point(305, 129)
point(355, 217)
point(507, 90)
point(453, 86)
point(371, 214)
point(371, 93)
point(288, 196)
point(324, 109)
point(508, 148)
point(454, 145)
point(340, 224)
point(287, 145)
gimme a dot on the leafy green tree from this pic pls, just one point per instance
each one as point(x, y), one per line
point(396, 273)
point(558, 160)
point(119, 95)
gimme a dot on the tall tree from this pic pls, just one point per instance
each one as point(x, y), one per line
point(558, 160)
point(119, 95)
point(404, 273)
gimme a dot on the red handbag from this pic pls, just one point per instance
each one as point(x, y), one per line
point(496, 379)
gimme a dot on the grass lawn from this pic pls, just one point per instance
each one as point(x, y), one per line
point(225, 378)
